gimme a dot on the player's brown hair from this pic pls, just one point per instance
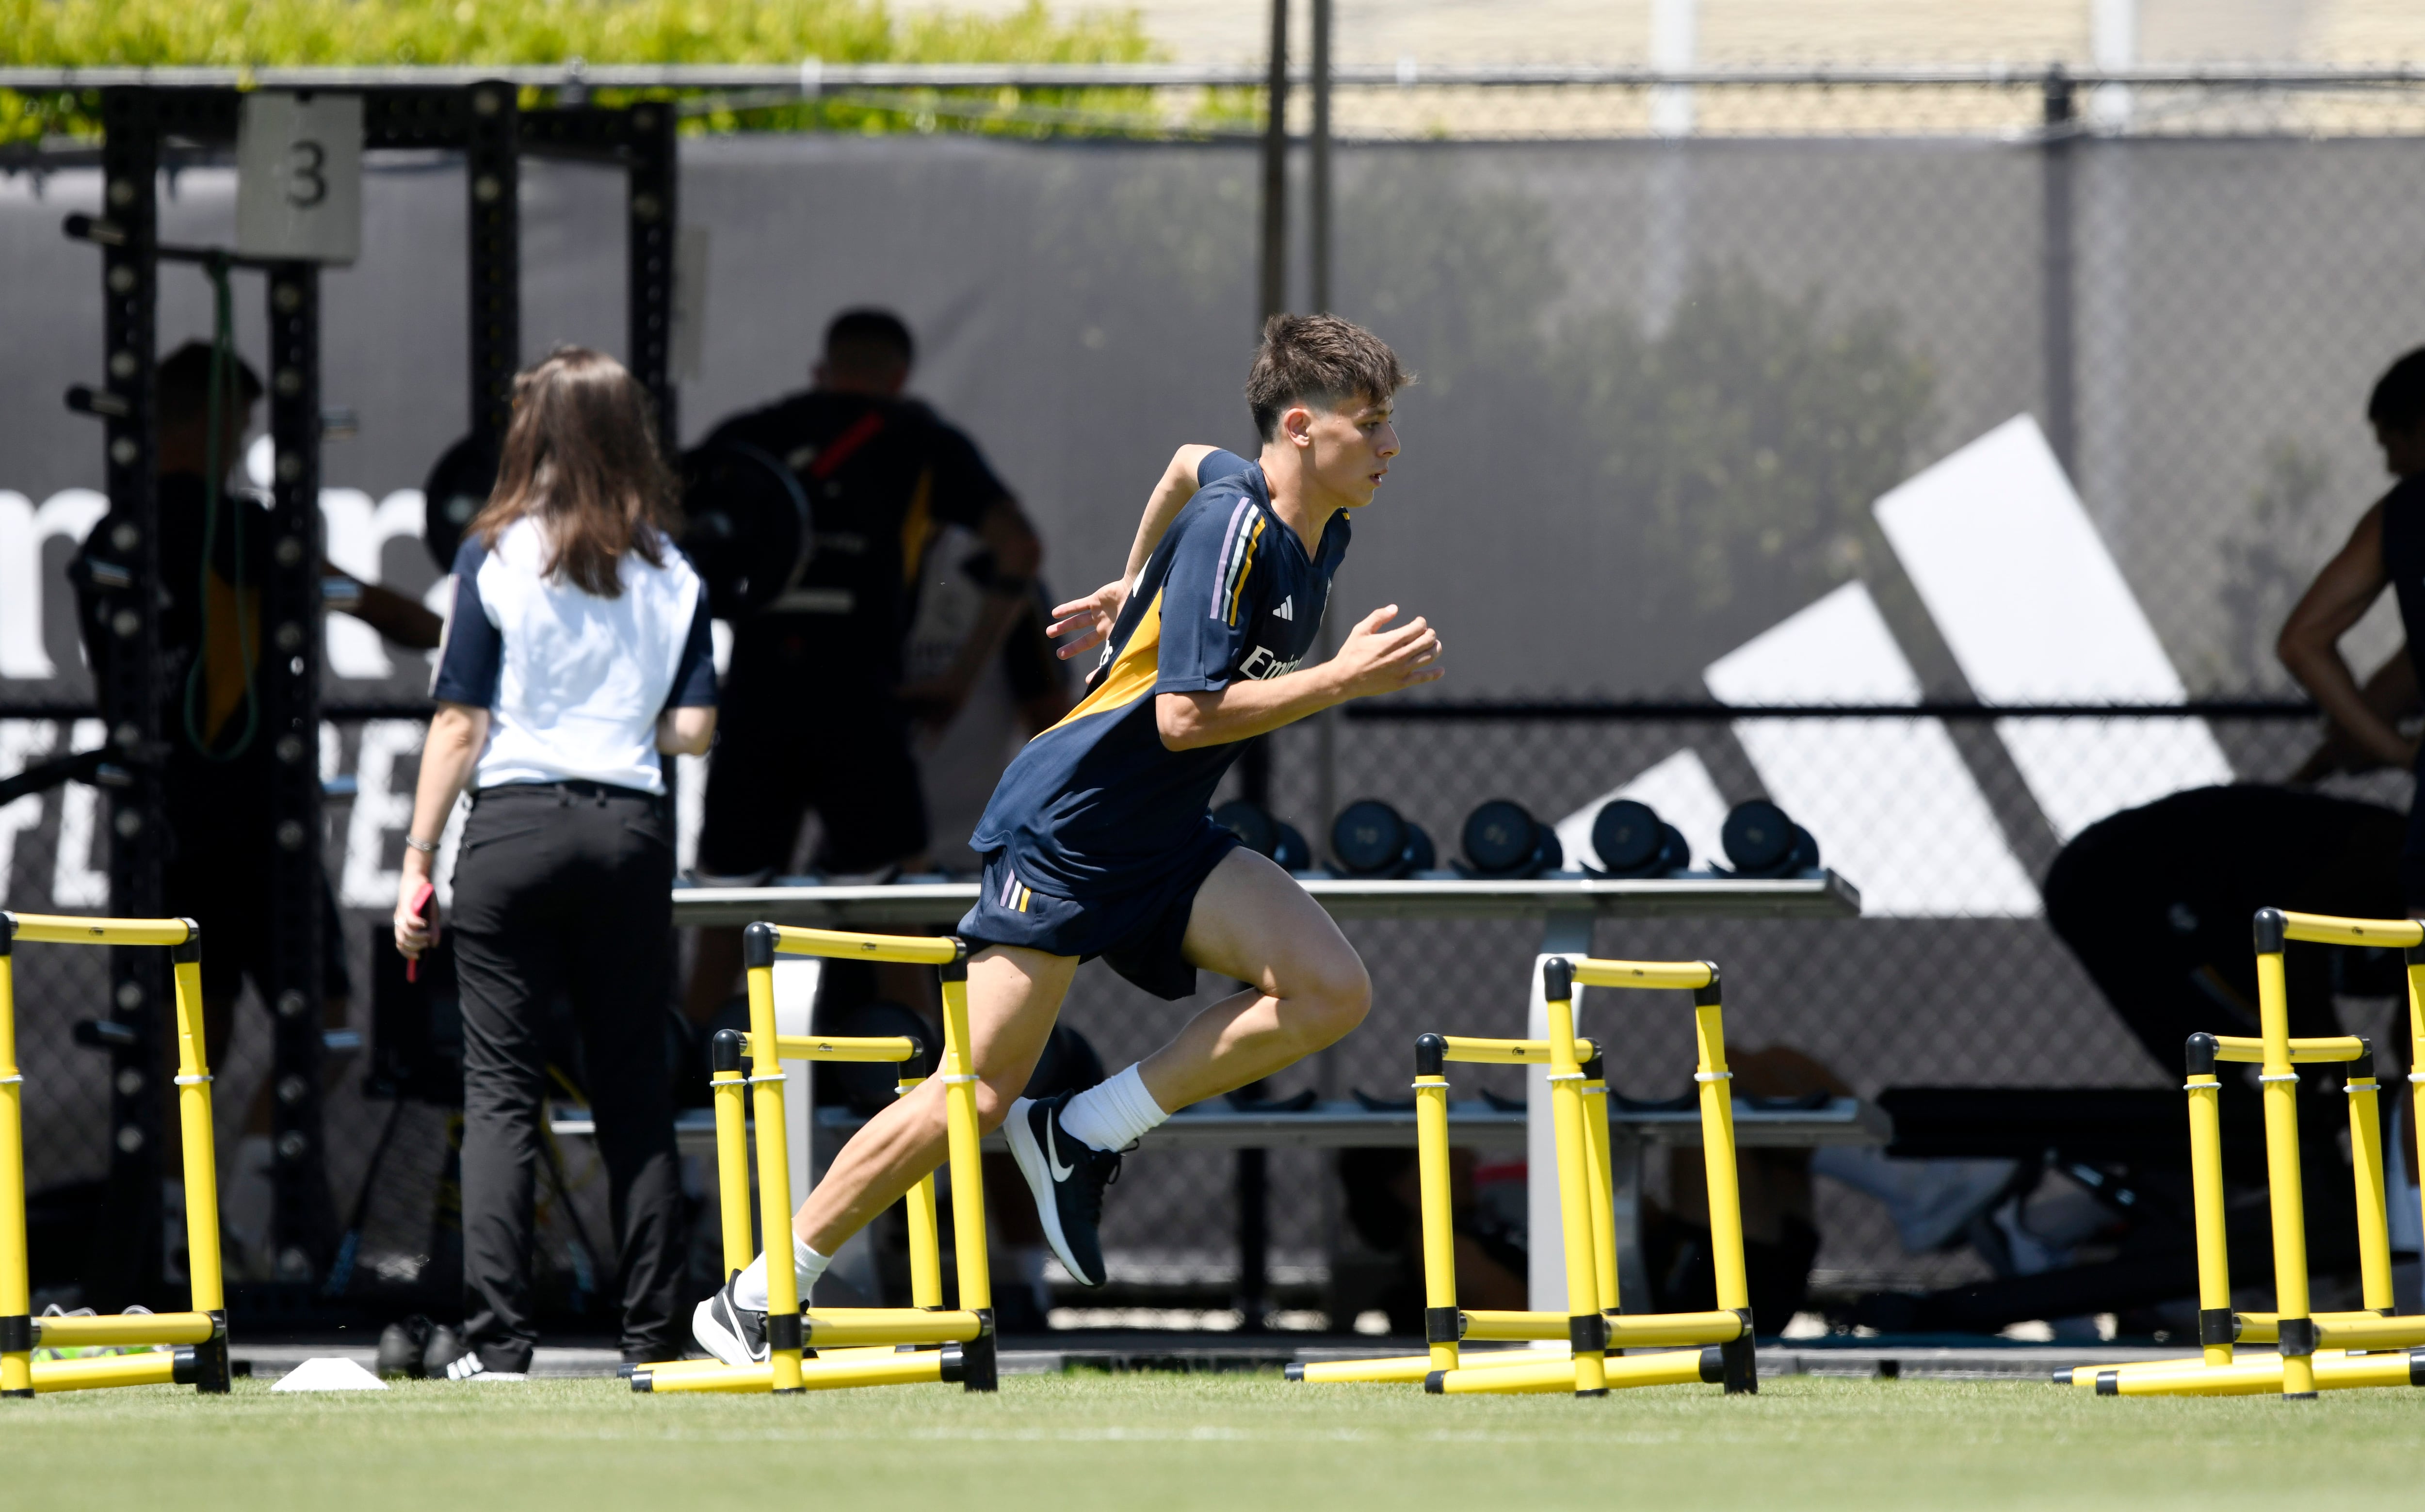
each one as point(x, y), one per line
point(1318, 360)
point(582, 453)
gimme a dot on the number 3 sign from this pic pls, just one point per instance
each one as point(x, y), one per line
point(299, 177)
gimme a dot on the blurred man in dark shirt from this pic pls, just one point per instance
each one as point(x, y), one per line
point(214, 555)
point(815, 714)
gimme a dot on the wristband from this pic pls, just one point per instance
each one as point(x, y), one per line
point(428, 847)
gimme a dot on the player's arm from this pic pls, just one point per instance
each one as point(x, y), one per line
point(2392, 693)
point(1095, 614)
point(405, 621)
point(1375, 659)
point(2309, 645)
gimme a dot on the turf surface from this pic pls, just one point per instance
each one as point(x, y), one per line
point(1139, 1442)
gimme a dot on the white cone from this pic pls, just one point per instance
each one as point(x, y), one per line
point(328, 1373)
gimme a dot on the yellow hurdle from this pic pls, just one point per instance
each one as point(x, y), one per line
point(2308, 1344)
point(1593, 1323)
point(201, 1362)
point(825, 1348)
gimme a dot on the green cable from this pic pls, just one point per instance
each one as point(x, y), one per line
point(222, 363)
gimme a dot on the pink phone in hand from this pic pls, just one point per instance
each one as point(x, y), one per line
point(419, 904)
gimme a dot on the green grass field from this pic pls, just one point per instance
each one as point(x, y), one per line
point(1172, 1441)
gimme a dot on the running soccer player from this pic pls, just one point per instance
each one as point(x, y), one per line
point(1098, 842)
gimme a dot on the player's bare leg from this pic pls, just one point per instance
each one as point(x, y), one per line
point(1014, 997)
point(1305, 985)
point(1247, 920)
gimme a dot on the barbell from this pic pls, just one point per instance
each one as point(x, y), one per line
point(746, 523)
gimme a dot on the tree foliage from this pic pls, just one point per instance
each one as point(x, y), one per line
point(378, 33)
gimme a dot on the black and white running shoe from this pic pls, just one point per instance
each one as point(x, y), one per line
point(728, 1330)
point(1068, 1177)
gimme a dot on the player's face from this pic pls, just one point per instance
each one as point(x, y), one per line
point(1350, 449)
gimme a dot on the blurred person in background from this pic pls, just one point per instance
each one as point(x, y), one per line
point(578, 653)
point(2385, 551)
point(817, 712)
point(215, 548)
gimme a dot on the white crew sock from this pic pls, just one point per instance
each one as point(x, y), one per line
point(749, 1290)
point(1114, 1115)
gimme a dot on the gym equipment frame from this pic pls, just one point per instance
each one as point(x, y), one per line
point(484, 120)
point(853, 1346)
point(1593, 1323)
point(2314, 1351)
point(200, 1334)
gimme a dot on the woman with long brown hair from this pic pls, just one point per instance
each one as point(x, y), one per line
point(576, 654)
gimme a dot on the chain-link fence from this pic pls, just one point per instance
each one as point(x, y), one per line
point(1678, 339)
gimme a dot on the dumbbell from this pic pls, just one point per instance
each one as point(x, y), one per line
point(1761, 840)
point(1503, 839)
point(1632, 840)
point(1372, 839)
point(1265, 835)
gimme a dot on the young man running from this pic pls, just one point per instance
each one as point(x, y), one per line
point(1098, 842)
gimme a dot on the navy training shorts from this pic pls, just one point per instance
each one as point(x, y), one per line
point(1137, 928)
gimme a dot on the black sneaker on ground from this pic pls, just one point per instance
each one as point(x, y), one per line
point(402, 1347)
point(728, 1330)
point(1068, 1177)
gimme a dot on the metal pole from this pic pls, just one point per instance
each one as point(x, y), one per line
point(653, 219)
point(1318, 215)
point(1318, 190)
point(303, 1221)
point(129, 1267)
point(1274, 291)
point(2056, 293)
point(491, 164)
point(1255, 762)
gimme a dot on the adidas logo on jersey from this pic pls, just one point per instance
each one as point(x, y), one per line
point(1287, 609)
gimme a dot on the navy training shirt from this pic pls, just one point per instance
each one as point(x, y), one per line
point(1098, 801)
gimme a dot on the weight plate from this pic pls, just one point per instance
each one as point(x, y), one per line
point(745, 525)
point(1500, 837)
point(1420, 854)
point(1627, 836)
point(1758, 837)
point(1675, 851)
point(1292, 854)
point(456, 490)
point(1548, 851)
point(1251, 823)
point(1804, 857)
point(1368, 838)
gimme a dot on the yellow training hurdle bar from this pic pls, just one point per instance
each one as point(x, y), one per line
point(2371, 1347)
point(852, 1346)
point(199, 1335)
point(1593, 1324)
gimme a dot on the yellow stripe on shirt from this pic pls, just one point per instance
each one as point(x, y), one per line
point(1132, 674)
point(1248, 565)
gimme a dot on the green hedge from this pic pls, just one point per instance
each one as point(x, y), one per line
point(292, 33)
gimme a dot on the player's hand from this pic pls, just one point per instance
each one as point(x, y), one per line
point(1090, 619)
point(1378, 659)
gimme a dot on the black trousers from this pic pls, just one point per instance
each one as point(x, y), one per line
point(564, 890)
